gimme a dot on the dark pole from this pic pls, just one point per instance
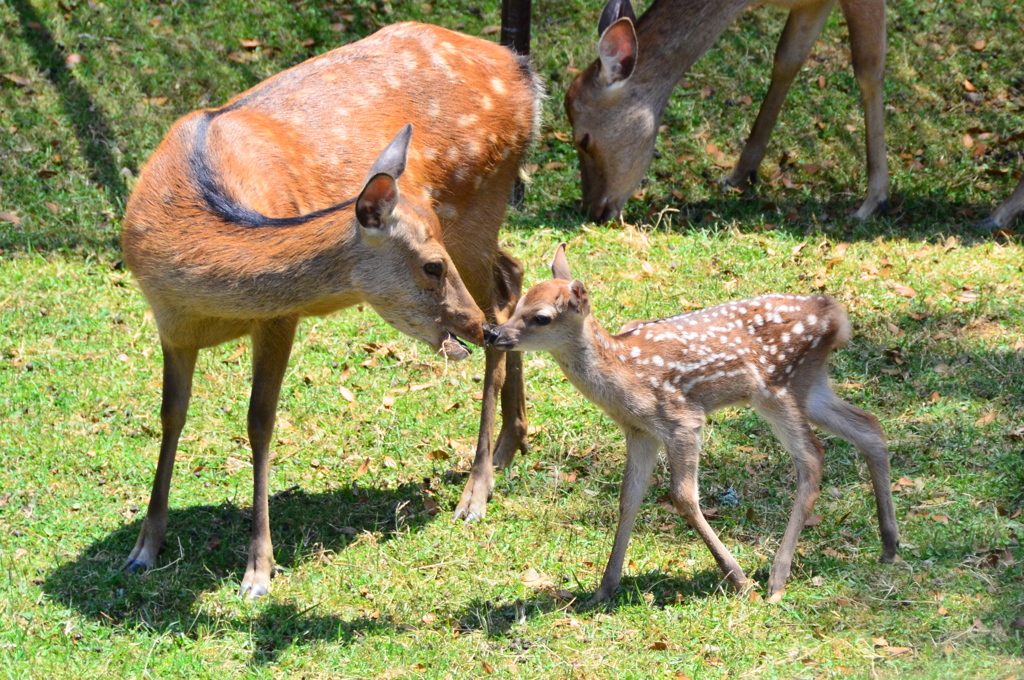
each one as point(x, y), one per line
point(515, 25)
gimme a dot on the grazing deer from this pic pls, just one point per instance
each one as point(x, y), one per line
point(616, 105)
point(1005, 214)
point(235, 228)
point(660, 379)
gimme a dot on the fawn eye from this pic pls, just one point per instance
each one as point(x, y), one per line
point(434, 269)
point(584, 141)
point(541, 319)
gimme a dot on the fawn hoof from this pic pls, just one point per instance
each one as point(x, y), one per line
point(134, 566)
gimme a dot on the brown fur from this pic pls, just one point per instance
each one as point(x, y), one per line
point(426, 258)
point(616, 104)
point(658, 380)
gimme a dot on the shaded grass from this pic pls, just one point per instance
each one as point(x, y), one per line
point(373, 583)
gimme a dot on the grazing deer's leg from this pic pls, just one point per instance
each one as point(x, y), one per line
point(641, 455)
point(1005, 214)
point(271, 346)
point(861, 429)
point(473, 504)
point(802, 28)
point(791, 427)
point(683, 458)
point(179, 364)
point(866, 22)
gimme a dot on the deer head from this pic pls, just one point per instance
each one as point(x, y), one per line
point(404, 271)
point(614, 130)
point(550, 316)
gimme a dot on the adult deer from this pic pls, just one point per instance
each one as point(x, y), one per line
point(616, 104)
point(660, 379)
point(1005, 214)
point(235, 228)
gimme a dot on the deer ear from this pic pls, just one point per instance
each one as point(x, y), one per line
point(617, 49)
point(613, 11)
point(377, 200)
point(579, 298)
point(391, 160)
point(560, 265)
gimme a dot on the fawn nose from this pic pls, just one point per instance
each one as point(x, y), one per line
point(491, 334)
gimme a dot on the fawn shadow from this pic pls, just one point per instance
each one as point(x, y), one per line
point(206, 550)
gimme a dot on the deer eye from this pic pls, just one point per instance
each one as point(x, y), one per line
point(541, 319)
point(434, 269)
point(584, 142)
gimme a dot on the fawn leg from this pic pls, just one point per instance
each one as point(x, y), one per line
point(473, 504)
point(802, 27)
point(683, 459)
point(271, 347)
point(179, 365)
point(791, 427)
point(861, 429)
point(866, 22)
point(641, 455)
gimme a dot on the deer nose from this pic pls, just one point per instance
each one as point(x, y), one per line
point(491, 334)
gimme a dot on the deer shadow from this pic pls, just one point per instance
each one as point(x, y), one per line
point(205, 552)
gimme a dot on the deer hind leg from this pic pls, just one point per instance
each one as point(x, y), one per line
point(641, 455)
point(683, 458)
point(791, 427)
point(1008, 211)
point(802, 28)
point(179, 365)
point(866, 22)
point(861, 429)
point(271, 347)
point(512, 436)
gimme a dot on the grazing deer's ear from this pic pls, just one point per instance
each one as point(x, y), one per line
point(377, 200)
point(579, 298)
point(560, 265)
point(617, 49)
point(613, 11)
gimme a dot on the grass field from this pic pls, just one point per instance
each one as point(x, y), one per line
point(375, 579)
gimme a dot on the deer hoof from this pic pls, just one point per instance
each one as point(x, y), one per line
point(134, 565)
point(987, 224)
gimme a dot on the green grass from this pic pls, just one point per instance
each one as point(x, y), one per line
point(372, 583)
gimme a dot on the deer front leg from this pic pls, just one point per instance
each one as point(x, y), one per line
point(641, 455)
point(802, 27)
point(473, 504)
point(1008, 211)
point(271, 347)
point(683, 459)
point(866, 22)
point(179, 365)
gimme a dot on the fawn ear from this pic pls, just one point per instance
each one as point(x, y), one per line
point(613, 11)
point(380, 191)
point(560, 265)
point(617, 50)
point(579, 298)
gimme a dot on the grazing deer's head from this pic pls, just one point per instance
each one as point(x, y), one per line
point(614, 130)
point(405, 273)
